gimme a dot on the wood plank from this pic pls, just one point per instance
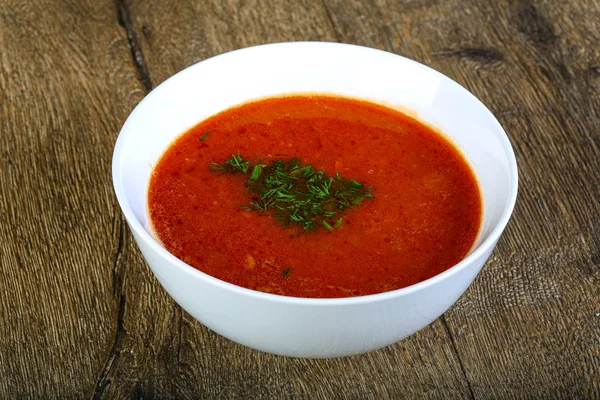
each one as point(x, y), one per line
point(83, 315)
point(173, 355)
point(67, 84)
point(195, 31)
point(528, 327)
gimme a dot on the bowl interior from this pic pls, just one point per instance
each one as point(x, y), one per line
point(233, 78)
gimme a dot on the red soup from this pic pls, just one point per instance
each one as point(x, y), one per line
point(315, 196)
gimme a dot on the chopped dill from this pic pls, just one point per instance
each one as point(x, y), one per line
point(256, 172)
point(233, 165)
point(204, 136)
point(297, 194)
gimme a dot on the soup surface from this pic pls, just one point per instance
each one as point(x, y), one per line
point(423, 219)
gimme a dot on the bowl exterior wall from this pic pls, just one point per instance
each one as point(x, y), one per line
point(298, 329)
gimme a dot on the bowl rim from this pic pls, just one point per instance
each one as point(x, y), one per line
point(137, 227)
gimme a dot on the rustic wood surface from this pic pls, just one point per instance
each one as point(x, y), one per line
point(81, 315)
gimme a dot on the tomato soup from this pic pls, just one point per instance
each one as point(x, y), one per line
point(415, 211)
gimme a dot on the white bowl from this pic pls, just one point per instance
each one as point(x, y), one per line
point(297, 326)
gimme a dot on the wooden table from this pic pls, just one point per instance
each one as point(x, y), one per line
point(81, 315)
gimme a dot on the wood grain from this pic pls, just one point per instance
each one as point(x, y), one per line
point(82, 315)
point(66, 85)
point(528, 325)
point(195, 31)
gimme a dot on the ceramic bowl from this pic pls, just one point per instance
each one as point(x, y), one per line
point(303, 327)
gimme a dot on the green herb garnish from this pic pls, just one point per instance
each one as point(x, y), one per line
point(256, 172)
point(326, 225)
point(233, 165)
point(298, 194)
point(286, 272)
point(204, 136)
